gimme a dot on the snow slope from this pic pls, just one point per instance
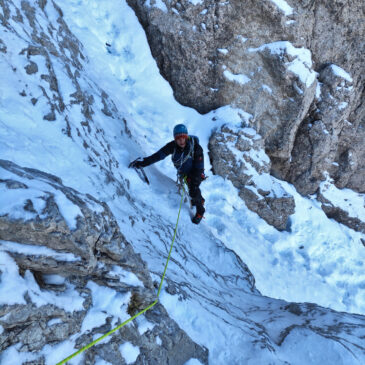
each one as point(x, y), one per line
point(208, 289)
point(329, 255)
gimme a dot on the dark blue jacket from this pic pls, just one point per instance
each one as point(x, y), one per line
point(188, 160)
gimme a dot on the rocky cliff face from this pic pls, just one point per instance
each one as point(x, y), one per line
point(297, 68)
point(68, 248)
point(238, 154)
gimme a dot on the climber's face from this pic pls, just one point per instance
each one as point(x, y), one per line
point(181, 142)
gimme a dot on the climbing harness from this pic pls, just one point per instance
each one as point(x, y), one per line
point(142, 311)
point(179, 162)
point(183, 188)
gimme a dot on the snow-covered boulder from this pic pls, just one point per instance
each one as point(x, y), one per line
point(238, 154)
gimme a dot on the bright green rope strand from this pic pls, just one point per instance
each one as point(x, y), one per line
point(142, 311)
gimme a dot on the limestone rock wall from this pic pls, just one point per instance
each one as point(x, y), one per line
point(272, 62)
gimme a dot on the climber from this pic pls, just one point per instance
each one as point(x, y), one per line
point(188, 158)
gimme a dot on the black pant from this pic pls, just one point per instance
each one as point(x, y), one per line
point(195, 193)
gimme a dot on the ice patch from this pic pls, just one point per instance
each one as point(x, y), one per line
point(99, 361)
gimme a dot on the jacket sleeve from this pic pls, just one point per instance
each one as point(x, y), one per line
point(159, 155)
point(198, 162)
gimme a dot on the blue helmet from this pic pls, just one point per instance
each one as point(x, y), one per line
point(180, 131)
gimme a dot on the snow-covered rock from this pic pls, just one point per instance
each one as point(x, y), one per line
point(344, 206)
point(320, 146)
point(67, 260)
point(238, 154)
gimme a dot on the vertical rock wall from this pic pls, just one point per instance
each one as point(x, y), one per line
point(270, 59)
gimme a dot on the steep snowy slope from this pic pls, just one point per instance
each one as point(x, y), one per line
point(97, 107)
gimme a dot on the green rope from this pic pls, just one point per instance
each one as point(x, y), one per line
point(142, 311)
point(173, 239)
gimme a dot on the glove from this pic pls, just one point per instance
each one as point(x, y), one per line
point(136, 164)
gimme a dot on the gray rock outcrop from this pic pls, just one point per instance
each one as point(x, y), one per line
point(232, 52)
point(316, 150)
point(66, 244)
point(238, 154)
